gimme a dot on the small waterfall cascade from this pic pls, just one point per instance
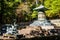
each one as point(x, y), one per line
point(12, 29)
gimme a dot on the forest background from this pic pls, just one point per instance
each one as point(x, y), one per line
point(22, 10)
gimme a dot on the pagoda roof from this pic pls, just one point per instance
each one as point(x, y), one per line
point(40, 8)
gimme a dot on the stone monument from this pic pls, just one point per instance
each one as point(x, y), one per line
point(42, 21)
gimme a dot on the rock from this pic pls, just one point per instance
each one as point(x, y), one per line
point(35, 31)
point(30, 31)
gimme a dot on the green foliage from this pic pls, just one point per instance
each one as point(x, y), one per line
point(34, 14)
point(11, 5)
point(9, 10)
point(54, 6)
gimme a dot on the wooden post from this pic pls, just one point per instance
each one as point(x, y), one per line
point(36, 2)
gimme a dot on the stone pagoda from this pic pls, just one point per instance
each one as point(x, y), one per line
point(42, 21)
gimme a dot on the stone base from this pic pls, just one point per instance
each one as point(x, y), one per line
point(43, 24)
